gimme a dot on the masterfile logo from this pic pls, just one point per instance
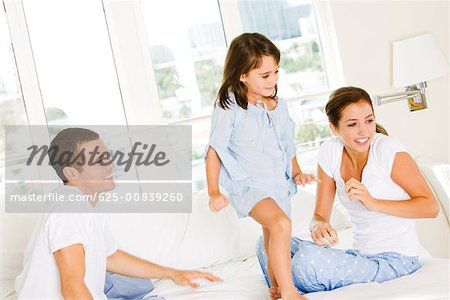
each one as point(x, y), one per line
point(134, 168)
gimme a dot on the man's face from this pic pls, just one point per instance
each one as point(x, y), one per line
point(93, 177)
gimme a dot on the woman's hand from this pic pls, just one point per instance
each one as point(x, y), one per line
point(187, 277)
point(303, 178)
point(217, 201)
point(323, 234)
point(358, 191)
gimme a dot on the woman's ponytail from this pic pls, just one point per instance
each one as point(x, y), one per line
point(381, 129)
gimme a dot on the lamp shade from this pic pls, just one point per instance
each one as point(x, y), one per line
point(416, 60)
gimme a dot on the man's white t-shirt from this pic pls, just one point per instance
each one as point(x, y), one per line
point(373, 232)
point(39, 278)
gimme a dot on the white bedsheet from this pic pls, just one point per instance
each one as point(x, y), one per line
point(243, 281)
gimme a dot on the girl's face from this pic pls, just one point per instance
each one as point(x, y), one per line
point(260, 82)
point(357, 126)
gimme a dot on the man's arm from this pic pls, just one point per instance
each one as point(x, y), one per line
point(71, 265)
point(124, 263)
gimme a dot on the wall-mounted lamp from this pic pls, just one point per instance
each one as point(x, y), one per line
point(414, 61)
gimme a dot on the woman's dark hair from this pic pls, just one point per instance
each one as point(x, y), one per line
point(245, 54)
point(341, 98)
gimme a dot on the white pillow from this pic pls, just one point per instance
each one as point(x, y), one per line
point(16, 230)
point(438, 176)
point(214, 238)
point(156, 237)
point(302, 209)
point(187, 241)
point(249, 231)
point(211, 238)
point(203, 238)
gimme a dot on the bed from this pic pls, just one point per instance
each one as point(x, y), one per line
point(225, 245)
point(243, 280)
point(429, 282)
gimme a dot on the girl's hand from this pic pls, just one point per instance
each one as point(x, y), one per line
point(323, 234)
point(358, 191)
point(217, 202)
point(303, 178)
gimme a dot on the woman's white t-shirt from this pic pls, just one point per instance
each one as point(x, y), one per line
point(373, 232)
point(40, 278)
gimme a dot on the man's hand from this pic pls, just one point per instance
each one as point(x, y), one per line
point(323, 234)
point(217, 201)
point(186, 277)
point(358, 191)
point(303, 179)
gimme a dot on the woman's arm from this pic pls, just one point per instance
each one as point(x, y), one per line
point(406, 174)
point(321, 230)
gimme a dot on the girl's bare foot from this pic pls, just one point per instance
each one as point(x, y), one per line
point(293, 295)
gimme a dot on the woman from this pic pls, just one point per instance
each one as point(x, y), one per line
point(383, 191)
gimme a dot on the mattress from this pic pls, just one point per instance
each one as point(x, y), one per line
point(243, 280)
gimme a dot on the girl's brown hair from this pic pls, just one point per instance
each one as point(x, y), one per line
point(245, 54)
point(341, 98)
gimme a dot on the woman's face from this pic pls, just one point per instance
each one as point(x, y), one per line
point(357, 126)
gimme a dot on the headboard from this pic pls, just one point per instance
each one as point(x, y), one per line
point(434, 234)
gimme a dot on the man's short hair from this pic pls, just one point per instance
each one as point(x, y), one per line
point(68, 141)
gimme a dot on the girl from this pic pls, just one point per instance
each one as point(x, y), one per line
point(252, 152)
point(383, 191)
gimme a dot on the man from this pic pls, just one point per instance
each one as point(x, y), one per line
point(69, 253)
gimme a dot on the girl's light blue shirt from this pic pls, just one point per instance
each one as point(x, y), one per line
point(256, 147)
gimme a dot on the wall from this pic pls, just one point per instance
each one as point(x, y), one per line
point(365, 30)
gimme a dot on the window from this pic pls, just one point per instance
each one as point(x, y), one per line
point(74, 62)
point(188, 50)
point(12, 111)
point(66, 72)
point(304, 81)
point(12, 107)
point(161, 62)
point(291, 25)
